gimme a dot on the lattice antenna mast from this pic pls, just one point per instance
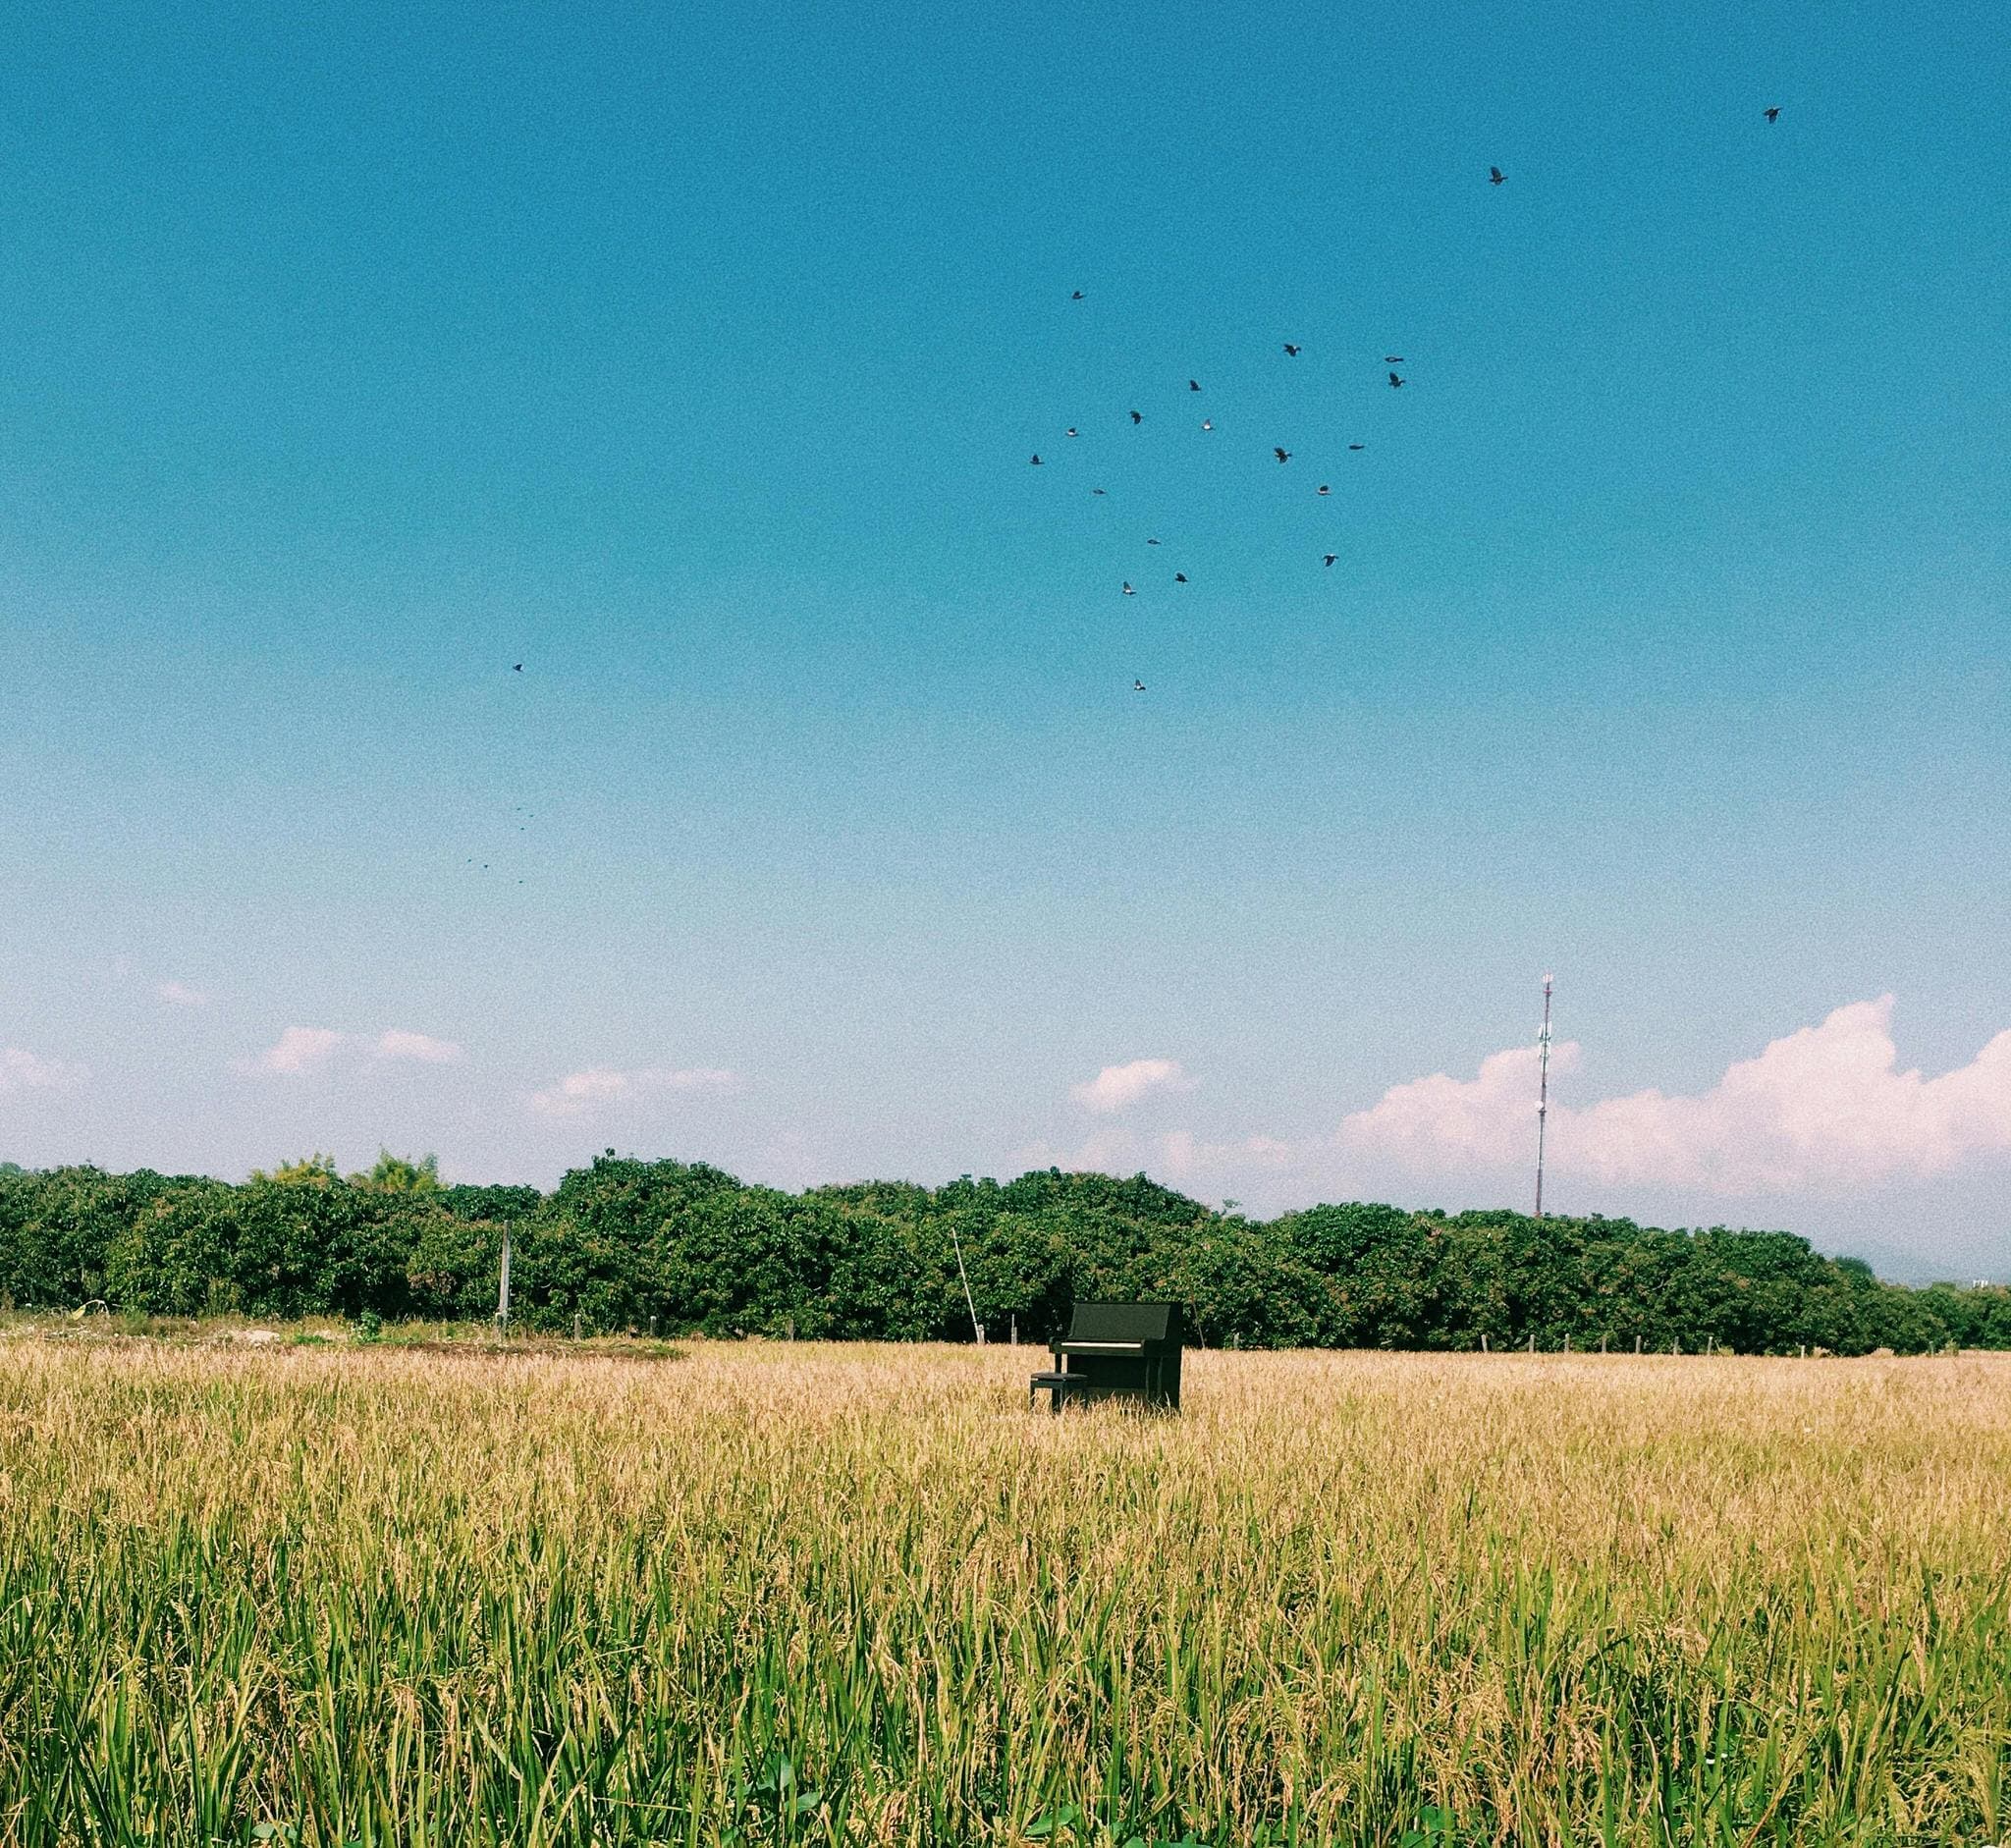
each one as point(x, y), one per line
point(1543, 1093)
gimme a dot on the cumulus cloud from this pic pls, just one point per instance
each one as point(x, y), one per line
point(1189, 1156)
point(1475, 1123)
point(579, 1092)
point(22, 1070)
point(395, 1042)
point(297, 1050)
point(181, 995)
point(1118, 1087)
point(1824, 1108)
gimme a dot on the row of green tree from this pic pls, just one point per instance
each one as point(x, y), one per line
point(681, 1248)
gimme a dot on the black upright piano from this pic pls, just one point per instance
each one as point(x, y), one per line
point(1118, 1351)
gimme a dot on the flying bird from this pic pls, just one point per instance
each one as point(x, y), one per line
point(1290, 349)
point(1130, 592)
point(1138, 416)
point(1179, 577)
point(1396, 379)
point(1329, 558)
point(1495, 176)
point(1774, 115)
point(1193, 385)
point(1282, 455)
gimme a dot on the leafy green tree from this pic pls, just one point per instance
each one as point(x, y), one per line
point(310, 1170)
point(394, 1174)
point(622, 1242)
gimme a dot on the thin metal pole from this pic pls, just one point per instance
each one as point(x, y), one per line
point(977, 1328)
point(1543, 1093)
point(503, 1286)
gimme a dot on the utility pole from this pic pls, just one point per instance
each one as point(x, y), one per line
point(977, 1328)
point(503, 1286)
point(1543, 1093)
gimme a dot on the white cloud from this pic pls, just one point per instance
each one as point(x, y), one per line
point(181, 995)
point(1118, 1087)
point(395, 1042)
point(581, 1091)
point(297, 1050)
point(22, 1070)
point(1187, 1156)
point(1821, 1109)
point(1474, 1123)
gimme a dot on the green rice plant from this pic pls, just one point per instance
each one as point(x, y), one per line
point(779, 1594)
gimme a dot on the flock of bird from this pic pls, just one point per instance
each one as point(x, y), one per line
point(1292, 350)
point(1283, 456)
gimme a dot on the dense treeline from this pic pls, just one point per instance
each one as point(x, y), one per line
point(684, 1248)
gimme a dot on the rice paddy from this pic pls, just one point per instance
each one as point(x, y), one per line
point(775, 1592)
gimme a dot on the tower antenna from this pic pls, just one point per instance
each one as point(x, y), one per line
point(1543, 1093)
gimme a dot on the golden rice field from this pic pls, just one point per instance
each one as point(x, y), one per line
point(858, 1595)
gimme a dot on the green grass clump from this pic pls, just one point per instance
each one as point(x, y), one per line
point(332, 1594)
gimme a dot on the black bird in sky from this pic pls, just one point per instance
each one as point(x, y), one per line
point(1130, 592)
point(1329, 558)
point(1282, 455)
point(1290, 349)
point(1495, 176)
point(1193, 385)
point(1774, 115)
point(1179, 577)
point(1396, 379)
point(1138, 416)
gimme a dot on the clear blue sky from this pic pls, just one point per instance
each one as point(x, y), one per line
point(693, 358)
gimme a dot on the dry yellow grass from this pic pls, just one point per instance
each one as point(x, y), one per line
point(861, 1594)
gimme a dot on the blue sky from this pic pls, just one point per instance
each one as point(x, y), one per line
point(693, 358)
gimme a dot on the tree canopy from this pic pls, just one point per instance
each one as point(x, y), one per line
point(688, 1249)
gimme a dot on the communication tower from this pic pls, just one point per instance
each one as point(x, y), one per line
point(1543, 1093)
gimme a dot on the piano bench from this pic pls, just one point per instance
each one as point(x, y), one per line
point(1055, 1384)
